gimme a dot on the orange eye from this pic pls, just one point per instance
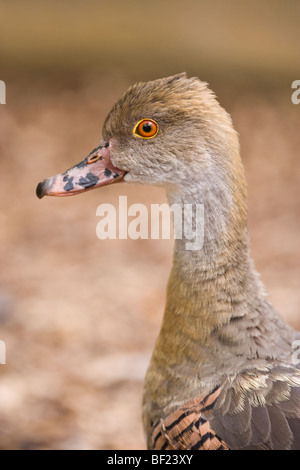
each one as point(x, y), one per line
point(146, 128)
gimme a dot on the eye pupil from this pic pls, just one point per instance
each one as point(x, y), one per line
point(147, 127)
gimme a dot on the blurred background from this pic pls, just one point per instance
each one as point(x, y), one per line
point(79, 316)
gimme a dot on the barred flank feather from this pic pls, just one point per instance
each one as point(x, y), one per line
point(186, 428)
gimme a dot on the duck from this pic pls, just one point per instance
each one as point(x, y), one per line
point(222, 375)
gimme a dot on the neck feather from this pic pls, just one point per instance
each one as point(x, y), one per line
point(216, 308)
point(212, 285)
point(217, 321)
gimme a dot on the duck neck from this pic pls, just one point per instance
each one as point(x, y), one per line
point(212, 280)
point(216, 320)
point(215, 303)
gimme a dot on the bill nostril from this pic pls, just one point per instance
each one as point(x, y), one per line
point(94, 158)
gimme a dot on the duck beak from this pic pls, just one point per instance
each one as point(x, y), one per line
point(94, 171)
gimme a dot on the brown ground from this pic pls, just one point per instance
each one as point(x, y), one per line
point(79, 316)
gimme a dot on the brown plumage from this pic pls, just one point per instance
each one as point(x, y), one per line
point(221, 374)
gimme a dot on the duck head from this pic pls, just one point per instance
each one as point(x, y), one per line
point(170, 132)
